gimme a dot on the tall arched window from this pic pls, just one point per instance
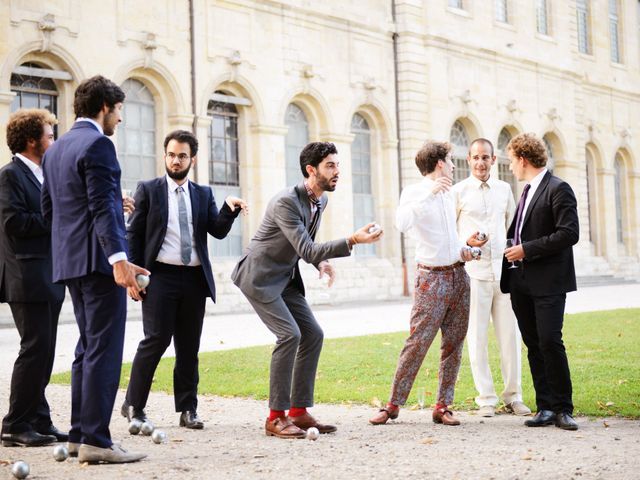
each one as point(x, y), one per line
point(34, 92)
point(224, 170)
point(503, 161)
point(460, 140)
point(137, 135)
point(363, 204)
point(296, 139)
point(551, 161)
point(618, 166)
point(591, 198)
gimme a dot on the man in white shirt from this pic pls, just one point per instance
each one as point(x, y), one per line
point(426, 213)
point(485, 204)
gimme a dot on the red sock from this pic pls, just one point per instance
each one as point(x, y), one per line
point(296, 412)
point(439, 406)
point(273, 414)
point(391, 406)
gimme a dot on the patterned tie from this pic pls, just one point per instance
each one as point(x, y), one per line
point(185, 236)
point(313, 226)
point(519, 214)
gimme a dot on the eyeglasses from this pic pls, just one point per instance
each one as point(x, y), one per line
point(183, 157)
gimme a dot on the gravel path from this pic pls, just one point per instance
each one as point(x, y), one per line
point(233, 446)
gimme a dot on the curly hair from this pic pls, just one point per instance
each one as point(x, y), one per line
point(314, 153)
point(27, 124)
point(94, 93)
point(529, 147)
point(431, 152)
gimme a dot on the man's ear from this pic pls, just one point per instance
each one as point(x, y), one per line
point(310, 170)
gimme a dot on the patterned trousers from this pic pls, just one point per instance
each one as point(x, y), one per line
point(441, 303)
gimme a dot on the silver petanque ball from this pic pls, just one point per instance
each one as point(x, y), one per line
point(20, 469)
point(374, 228)
point(313, 433)
point(60, 453)
point(158, 436)
point(147, 428)
point(476, 252)
point(143, 280)
point(481, 236)
point(134, 426)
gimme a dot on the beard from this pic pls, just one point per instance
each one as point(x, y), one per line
point(325, 183)
point(180, 174)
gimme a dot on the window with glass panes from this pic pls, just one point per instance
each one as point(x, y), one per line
point(224, 170)
point(456, 3)
point(363, 201)
point(614, 32)
point(584, 23)
point(459, 139)
point(137, 135)
point(502, 14)
point(296, 139)
point(504, 173)
point(618, 182)
point(34, 92)
point(542, 22)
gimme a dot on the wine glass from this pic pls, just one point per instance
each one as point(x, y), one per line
point(126, 192)
point(511, 243)
point(422, 397)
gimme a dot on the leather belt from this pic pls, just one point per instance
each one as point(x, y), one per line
point(440, 269)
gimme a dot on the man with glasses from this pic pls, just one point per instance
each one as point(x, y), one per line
point(168, 234)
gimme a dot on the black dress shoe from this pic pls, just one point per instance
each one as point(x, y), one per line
point(565, 421)
point(541, 419)
point(190, 419)
point(26, 439)
point(53, 431)
point(130, 412)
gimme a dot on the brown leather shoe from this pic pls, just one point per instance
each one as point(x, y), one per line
point(444, 416)
point(306, 421)
point(383, 415)
point(282, 427)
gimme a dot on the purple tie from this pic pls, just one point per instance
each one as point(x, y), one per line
point(519, 219)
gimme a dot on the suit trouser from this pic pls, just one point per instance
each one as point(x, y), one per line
point(540, 319)
point(37, 324)
point(488, 303)
point(441, 303)
point(174, 307)
point(294, 360)
point(100, 308)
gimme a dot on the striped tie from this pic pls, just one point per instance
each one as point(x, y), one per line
point(185, 236)
point(315, 220)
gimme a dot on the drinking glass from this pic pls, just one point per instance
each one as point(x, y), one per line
point(422, 397)
point(511, 243)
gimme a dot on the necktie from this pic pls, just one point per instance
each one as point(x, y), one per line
point(313, 226)
point(519, 214)
point(185, 236)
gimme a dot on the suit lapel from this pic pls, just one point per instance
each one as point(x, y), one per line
point(163, 201)
point(195, 206)
point(27, 171)
point(303, 198)
point(536, 196)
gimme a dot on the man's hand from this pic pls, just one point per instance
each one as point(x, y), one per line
point(128, 204)
point(326, 268)
point(514, 254)
point(473, 241)
point(465, 254)
point(362, 235)
point(443, 184)
point(124, 274)
point(234, 202)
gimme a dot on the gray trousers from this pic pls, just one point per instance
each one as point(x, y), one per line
point(294, 360)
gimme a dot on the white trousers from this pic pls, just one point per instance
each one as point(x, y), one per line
point(488, 303)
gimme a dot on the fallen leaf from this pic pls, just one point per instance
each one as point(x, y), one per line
point(177, 440)
point(609, 404)
point(605, 424)
point(428, 441)
point(375, 401)
point(526, 457)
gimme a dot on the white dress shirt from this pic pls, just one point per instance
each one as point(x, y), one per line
point(170, 252)
point(430, 220)
point(486, 207)
point(534, 184)
point(34, 167)
point(92, 121)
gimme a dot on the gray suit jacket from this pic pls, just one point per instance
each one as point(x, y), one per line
point(271, 259)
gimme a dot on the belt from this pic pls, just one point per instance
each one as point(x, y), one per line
point(440, 269)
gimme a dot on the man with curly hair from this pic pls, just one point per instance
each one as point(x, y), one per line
point(25, 279)
point(543, 232)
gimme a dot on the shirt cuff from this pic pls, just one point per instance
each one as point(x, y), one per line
point(117, 257)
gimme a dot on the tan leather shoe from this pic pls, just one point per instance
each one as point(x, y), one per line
point(384, 414)
point(444, 416)
point(113, 454)
point(517, 408)
point(306, 421)
point(282, 427)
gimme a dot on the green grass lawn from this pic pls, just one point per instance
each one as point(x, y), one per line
point(603, 350)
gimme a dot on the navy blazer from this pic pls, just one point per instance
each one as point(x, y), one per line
point(549, 230)
point(25, 239)
point(82, 200)
point(148, 224)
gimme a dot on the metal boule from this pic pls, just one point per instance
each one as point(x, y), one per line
point(20, 469)
point(313, 433)
point(60, 453)
point(147, 428)
point(158, 436)
point(134, 426)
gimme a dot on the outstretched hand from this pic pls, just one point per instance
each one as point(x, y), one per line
point(235, 202)
point(362, 235)
point(327, 269)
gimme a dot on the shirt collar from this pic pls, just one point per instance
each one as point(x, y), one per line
point(33, 166)
point(91, 120)
point(312, 196)
point(535, 181)
point(173, 186)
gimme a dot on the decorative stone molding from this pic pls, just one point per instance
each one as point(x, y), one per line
point(6, 98)
point(47, 25)
point(592, 130)
point(234, 59)
point(279, 130)
point(149, 45)
point(553, 115)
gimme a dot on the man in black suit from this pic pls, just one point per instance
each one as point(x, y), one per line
point(543, 231)
point(167, 234)
point(26, 281)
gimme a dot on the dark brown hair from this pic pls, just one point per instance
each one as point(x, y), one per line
point(431, 152)
point(27, 124)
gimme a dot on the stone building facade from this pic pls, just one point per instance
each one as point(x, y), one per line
point(262, 78)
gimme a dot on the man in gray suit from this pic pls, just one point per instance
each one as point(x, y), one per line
point(268, 275)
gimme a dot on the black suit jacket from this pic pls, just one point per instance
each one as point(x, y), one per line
point(549, 230)
point(148, 224)
point(25, 239)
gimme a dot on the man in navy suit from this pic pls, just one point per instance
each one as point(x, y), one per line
point(544, 230)
point(25, 280)
point(168, 235)
point(81, 198)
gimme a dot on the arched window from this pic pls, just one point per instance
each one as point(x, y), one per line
point(34, 92)
point(460, 140)
point(224, 170)
point(618, 166)
point(503, 161)
point(591, 197)
point(137, 135)
point(296, 139)
point(363, 205)
point(551, 161)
